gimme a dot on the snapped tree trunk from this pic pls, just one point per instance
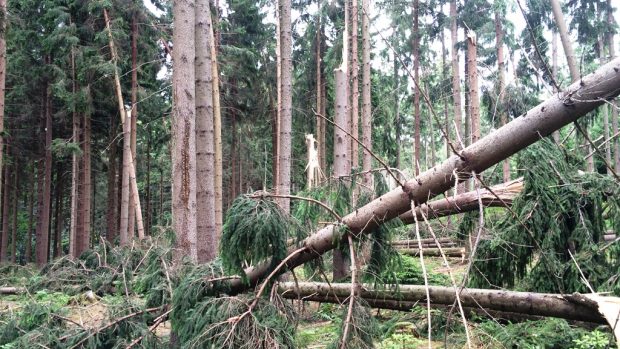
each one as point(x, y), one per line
point(558, 111)
point(530, 303)
point(466, 202)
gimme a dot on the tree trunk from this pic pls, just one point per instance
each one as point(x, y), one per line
point(554, 72)
point(147, 221)
point(206, 245)
point(397, 119)
point(183, 129)
point(3, 17)
point(278, 114)
point(4, 247)
point(284, 152)
point(458, 252)
point(234, 176)
point(82, 241)
point(43, 223)
point(131, 223)
point(456, 80)
point(474, 101)
point(354, 92)
point(75, 159)
point(28, 238)
point(466, 202)
point(366, 97)
point(319, 122)
point(112, 202)
point(560, 110)
point(416, 94)
point(58, 226)
point(501, 84)
point(565, 38)
point(541, 304)
point(341, 152)
point(217, 124)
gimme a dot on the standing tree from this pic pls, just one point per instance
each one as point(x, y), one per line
point(366, 97)
point(286, 117)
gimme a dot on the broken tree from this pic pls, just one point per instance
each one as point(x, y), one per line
point(560, 110)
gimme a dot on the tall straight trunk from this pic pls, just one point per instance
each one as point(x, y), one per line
point(131, 227)
point(416, 95)
point(322, 138)
point(319, 122)
point(456, 80)
point(4, 247)
point(473, 86)
point(540, 121)
point(161, 196)
point(341, 152)
point(217, 122)
point(82, 241)
point(501, 84)
point(206, 243)
point(446, 112)
point(147, 220)
point(75, 160)
point(614, 104)
point(278, 114)
point(354, 92)
point(284, 153)
point(3, 17)
point(565, 38)
point(366, 97)
point(183, 129)
point(125, 234)
point(273, 106)
point(112, 202)
point(28, 237)
point(43, 223)
point(58, 213)
point(234, 176)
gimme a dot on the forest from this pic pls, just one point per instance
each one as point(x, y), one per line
point(309, 174)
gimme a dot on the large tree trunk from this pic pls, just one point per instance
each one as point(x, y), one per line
point(183, 129)
point(341, 152)
point(501, 84)
point(366, 97)
point(43, 223)
point(131, 223)
point(284, 151)
point(416, 94)
point(472, 56)
point(540, 304)
point(456, 80)
point(354, 92)
point(206, 245)
point(75, 159)
point(397, 118)
point(317, 52)
point(565, 38)
point(82, 240)
point(28, 237)
point(560, 110)
point(217, 123)
point(58, 214)
point(466, 202)
point(148, 197)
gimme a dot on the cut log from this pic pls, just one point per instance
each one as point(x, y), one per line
point(435, 252)
point(423, 241)
point(466, 202)
point(529, 303)
point(561, 109)
point(12, 290)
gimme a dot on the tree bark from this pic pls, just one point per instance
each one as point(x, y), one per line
point(416, 94)
point(530, 303)
point(501, 84)
point(58, 214)
point(82, 240)
point(217, 123)
point(284, 151)
point(472, 56)
point(354, 92)
point(206, 245)
point(560, 110)
point(341, 152)
point(75, 159)
point(366, 96)
point(564, 37)
point(28, 239)
point(614, 104)
point(131, 223)
point(43, 223)
point(147, 220)
point(183, 129)
point(466, 202)
point(459, 252)
point(456, 80)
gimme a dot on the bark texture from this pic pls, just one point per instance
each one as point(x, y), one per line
point(530, 303)
point(366, 96)
point(501, 84)
point(286, 108)
point(417, 151)
point(354, 92)
point(456, 80)
point(558, 111)
point(43, 223)
point(558, 15)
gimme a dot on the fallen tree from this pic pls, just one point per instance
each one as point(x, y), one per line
point(403, 296)
point(435, 252)
point(414, 244)
point(501, 195)
point(561, 109)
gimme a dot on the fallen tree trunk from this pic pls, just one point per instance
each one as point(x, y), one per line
point(466, 202)
point(528, 303)
point(435, 252)
point(12, 290)
point(422, 241)
point(414, 244)
point(561, 109)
